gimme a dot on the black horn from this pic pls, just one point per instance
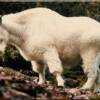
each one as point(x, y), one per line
point(0, 19)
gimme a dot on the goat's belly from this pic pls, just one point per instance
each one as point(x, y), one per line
point(70, 57)
point(71, 61)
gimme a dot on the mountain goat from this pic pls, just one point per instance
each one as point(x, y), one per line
point(46, 38)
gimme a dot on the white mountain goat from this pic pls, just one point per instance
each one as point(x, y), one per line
point(48, 39)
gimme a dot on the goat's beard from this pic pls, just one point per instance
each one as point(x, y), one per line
point(2, 48)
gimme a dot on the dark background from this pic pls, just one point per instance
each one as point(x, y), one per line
point(12, 58)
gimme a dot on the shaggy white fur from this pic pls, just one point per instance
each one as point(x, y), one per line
point(46, 38)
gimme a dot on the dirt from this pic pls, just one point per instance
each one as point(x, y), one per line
point(17, 86)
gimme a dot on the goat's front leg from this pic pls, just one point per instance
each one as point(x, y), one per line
point(97, 63)
point(97, 85)
point(40, 69)
point(52, 60)
point(90, 67)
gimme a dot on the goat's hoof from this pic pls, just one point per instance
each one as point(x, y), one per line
point(97, 90)
point(41, 82)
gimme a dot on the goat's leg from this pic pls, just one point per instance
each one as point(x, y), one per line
point(97, 85)
point(40, 69)
point(52, 60)
point(90, 67)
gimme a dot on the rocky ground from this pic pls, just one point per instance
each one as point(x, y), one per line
point(14, 85)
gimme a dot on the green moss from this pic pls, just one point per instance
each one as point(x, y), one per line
point(8, 70)
point(94, 97)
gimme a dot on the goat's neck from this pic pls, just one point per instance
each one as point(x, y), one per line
point(15, 30)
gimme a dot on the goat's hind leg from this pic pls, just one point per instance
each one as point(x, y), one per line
point(90, 67)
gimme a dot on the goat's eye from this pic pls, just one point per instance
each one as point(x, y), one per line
point(1, 40)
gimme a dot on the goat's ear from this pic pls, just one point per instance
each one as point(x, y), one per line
point(0, 19)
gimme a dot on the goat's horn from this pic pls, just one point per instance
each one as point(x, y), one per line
point(0, 19)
